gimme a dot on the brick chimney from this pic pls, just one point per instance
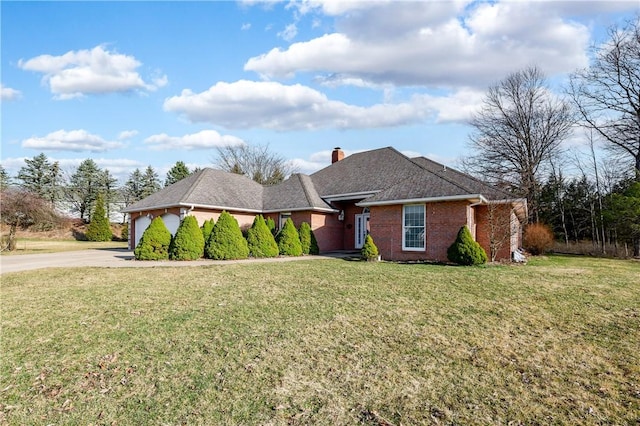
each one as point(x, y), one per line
point(337, 155)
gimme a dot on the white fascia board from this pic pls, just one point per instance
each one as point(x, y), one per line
point(349, 196)
point(229, 209)
point(470, 197)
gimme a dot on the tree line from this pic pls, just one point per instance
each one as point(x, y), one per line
point(518, 134)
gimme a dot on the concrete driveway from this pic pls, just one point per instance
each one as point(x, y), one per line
point(113, 258)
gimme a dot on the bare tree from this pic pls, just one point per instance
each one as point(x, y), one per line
point(518, 129)
point(256, 162)
point(607, 94)
point(23, 209)
point(499, 221)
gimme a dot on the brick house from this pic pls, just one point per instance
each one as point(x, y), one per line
point(412, 207)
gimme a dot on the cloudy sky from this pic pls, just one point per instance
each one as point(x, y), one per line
point(132, 84)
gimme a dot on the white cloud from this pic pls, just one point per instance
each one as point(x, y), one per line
point(289, 32)
point(271, 105)
point(205, 139)
point(96, 71)
point(317, 160)
point(245, 26)
point(9, 94)
point(127, 134)
point(434, 44)
point(74, 140)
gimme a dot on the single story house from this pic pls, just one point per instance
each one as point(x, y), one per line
point(412, 207)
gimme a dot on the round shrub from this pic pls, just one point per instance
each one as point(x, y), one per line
point(188, 243)
point(538, 238)
point(288, 240)
point(207, 227)
point(154, 244)
point(260, 239)
point(99, 228)
point(466, 251)
point(369, 250)
point(226, 241)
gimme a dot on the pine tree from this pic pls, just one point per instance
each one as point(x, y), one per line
point(155, 241)
point(133, 188)
point(178, 172)
point(99, 228)
point(288, 240)
point(260, 239)
point(41, 177)
point(188, 243)
point(85, 184)
point(5, 179)
point(466, 251)
point(226, 240)
point(150, 182)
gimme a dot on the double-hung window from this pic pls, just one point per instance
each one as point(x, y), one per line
point(413, 227)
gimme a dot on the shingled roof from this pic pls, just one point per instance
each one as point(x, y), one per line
point(380, 176)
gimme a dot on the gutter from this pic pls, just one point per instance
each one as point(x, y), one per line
point(479, 197)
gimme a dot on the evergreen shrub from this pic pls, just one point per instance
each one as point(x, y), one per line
point(207, 227)
point(538, 238)
point(304, 232)
point(99, 228)
point(466, 251)
point(260, 239)
point(155, 241)
point(288, 240)
point(226, 241)
point(369, 250)
point(271, 224)
point(314, 248)
point(124, 232)
point(188, 243)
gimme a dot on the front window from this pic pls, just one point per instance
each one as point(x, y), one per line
point(413, 227)
point(283, 219)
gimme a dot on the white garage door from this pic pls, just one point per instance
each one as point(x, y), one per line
point(171, 221)
point(142, 223)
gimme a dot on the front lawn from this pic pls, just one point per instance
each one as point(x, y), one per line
point(324, 342)
point(41, 245)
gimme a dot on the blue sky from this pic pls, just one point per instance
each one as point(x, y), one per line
point(131, 84)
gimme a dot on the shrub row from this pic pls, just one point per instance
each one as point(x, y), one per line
point(223, 240)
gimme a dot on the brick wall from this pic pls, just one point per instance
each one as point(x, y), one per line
point(443, 221)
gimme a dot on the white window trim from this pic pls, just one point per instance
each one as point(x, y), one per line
point(424, 220)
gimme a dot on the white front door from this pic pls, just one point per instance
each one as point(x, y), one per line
point(362, 229)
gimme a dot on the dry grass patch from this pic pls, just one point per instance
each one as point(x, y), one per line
point(35, 246)
point(324, 342)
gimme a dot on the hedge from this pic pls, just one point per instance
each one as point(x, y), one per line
point(188, 243)
point(226, 241)
point(260, 239)
point(155, 241)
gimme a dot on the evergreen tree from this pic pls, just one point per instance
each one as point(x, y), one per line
point(155, 241)
point(369, 250)
point(226, 240)
point(314, 248)
point(260, 239)
point(132, 190)
point(207, 227)
point(150, 182)
point(304, 232)
point(99, 228)
point(41, 177)
point(188, 243)
point(623, 215)
point(271, 224)
point(288, 240)
point(124, 233)
point(466, 251)
point(178, 172)
point(85, 184)
point(5, 179)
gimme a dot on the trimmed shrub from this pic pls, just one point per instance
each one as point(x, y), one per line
point(466, 251)
point(288, 240)
point(538, 238)
point(155, 241)
point(226, 241)
point(304, 232)
point(314, 249)
point(188, 243)
point(260, 239)
point(369, 250)
point(207, 227)
point(271, 224)
point(99, 228)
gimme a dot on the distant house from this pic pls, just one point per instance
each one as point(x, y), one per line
point(412, 207)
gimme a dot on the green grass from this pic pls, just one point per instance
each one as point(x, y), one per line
point(35, 246)
point(324, 342)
